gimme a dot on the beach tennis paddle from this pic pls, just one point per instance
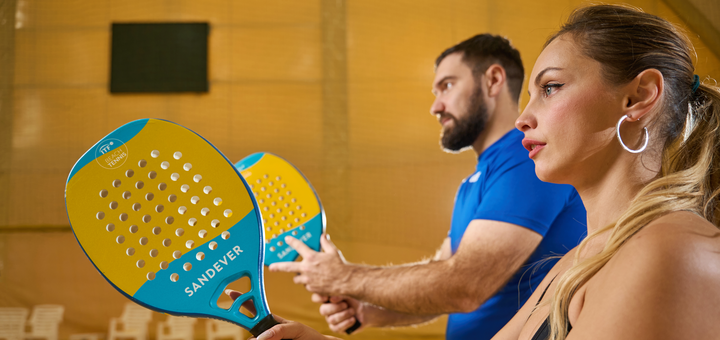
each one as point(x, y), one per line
point(169, 222)
point(289, 206)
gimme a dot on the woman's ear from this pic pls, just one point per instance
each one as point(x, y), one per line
point(643, 94)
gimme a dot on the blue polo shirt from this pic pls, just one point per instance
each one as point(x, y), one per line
point(504, 188)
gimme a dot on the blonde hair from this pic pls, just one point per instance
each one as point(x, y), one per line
point(690, 176)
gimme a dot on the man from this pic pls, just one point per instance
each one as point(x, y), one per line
point(504, 220)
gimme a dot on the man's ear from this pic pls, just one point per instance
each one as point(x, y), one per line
point(495, 79)
point(643, 94)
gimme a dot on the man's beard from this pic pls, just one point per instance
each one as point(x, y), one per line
point(467, 129)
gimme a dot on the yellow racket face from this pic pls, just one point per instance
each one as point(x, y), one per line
point(287, 202)
point(167, 219)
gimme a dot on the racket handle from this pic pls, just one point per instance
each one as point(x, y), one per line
point(354, 327)
point(264, 324)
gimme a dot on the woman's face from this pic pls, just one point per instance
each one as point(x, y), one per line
point(569, 122)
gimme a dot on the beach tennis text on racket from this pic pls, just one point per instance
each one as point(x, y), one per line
point(211, 272)
point(114, 159)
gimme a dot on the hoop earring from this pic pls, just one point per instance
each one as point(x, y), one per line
point(641, 149)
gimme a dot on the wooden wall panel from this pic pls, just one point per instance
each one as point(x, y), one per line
point(339, 88)
point(276, 53)
point(276, 12)
point(62, 14)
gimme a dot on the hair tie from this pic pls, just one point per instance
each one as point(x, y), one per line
point(696, 83)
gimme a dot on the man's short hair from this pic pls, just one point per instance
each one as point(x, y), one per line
point(483, 50)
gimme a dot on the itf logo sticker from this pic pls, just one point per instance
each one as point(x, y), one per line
point(111, 153)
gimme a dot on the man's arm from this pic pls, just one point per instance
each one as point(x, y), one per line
point(489, 254)
point(342, 312)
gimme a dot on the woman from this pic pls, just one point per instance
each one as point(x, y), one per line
point(616, 111)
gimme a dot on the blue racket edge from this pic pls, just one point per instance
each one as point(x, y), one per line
point(154, 295)
point(249, 161)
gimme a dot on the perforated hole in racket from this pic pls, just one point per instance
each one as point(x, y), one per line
point(162, 247)
point(277, 209)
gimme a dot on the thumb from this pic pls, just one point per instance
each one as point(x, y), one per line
point(289, 330)
point(327, 245)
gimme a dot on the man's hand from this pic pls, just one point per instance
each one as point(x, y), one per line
point(322, 272)
point(341, 312)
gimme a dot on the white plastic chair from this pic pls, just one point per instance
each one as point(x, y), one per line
point(216, 329)
point(176, 328)
point(132, 323)
point(12, 323)
point(45, 321)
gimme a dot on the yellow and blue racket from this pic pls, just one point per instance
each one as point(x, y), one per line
point(289, 206)
point(288, 203)
point(169, 222)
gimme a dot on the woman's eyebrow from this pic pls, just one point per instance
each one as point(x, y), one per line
point(539, 75)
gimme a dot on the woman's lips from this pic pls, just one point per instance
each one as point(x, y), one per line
point(532, 146)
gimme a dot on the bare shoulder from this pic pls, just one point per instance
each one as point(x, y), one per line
point(679, 238)
point(679, 242)
point(681, 223)
point(660, 284)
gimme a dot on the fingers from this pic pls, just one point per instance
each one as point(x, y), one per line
point(330, 309)
point(232, 294)
point(299, 246)
point(272, 333)
point(337, 299)
point(327, 245)
point(342, 320)
point(319, 298)
point(289, 267)
point(343, 325)
point(290, 330)
point(293, 267)
point(300, 280)
point(249, 305)
point(338, 314)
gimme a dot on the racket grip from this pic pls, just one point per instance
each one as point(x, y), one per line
point(354, 327)
point(264, 324)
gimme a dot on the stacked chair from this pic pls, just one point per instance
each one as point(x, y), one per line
point(176, 328)
point(216, 330)
point(132, 323)
point(45, 321)
point(12, 323)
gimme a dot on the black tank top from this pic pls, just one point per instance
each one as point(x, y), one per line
point(543, 333)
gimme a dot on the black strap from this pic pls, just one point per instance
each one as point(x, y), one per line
point(543, 333)
point(542, 295)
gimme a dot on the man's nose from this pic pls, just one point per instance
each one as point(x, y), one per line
point(437, 106)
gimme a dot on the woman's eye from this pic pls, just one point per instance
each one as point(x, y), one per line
point(550, 88)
